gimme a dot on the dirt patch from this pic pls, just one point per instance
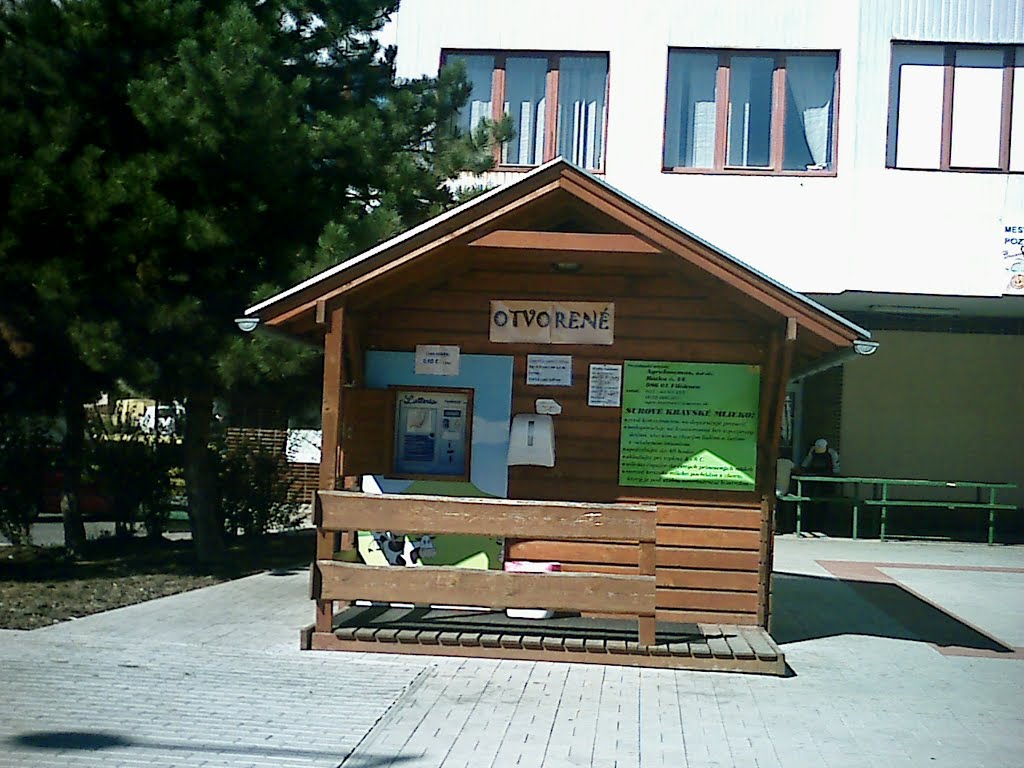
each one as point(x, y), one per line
point(40, 586)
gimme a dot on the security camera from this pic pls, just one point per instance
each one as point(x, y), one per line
point(865, 347)
point(247, 324)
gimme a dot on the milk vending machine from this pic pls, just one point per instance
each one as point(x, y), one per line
point(432, 433)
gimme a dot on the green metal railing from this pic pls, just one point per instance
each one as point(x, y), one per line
point(874, 492)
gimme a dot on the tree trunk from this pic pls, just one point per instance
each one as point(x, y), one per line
point(73, 456)
point(200, 481)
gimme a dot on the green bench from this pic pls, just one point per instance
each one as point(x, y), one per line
point(799, 500)
point(992, 508)
point(862, 484)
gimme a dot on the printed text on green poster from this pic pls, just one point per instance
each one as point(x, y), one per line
point(689, 425)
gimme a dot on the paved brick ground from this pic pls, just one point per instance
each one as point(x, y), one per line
point(79, 704)
point(214, 678)
point(869, 688)
point(207, 678)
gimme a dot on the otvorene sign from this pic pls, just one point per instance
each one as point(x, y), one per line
point(552, 322)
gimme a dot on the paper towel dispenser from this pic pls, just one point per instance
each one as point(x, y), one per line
point(532, 440)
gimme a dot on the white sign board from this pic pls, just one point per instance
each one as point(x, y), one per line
point(552, 322)
point(605, 388)
point(302, 446)
point(1013, 258)
point(549, 370)
point(437, 360)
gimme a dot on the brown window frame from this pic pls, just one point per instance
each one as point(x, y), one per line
point(948, 94)
point(778, 116)
point(501, 56)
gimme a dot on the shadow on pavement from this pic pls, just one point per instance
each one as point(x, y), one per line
point(88, 741)
point(85, 740)
point(289, 571)
point(812, 607)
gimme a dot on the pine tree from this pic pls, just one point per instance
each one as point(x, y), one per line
point(171, 160)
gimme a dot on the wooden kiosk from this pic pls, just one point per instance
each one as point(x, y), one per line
point(622, 383)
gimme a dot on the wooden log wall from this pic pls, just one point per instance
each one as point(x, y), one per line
point(710, 544)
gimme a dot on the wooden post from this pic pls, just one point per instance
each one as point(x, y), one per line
point(767, 443)
point(347, 540)
point(334, 376)
point(646, 623)
point(784, 366)
point(778, 405)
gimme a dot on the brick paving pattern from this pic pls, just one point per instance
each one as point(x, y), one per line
point(868, 690)
point(89, 704)
point(214, 678)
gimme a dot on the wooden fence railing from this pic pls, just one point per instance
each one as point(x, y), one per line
point(631, 595)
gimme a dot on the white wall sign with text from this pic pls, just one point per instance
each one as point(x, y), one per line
point(437, 360)
point(605, 387)
point(549, 370)
point(1013, 258)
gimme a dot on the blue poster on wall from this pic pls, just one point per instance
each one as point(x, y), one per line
point(490, 378)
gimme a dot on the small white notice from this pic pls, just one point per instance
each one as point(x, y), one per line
point(437, 360)
point(605, 389)
point(548, 407)
point(549, 370)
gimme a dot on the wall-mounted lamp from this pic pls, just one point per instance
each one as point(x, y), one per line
point(865, 347)
point(247, 324)
point(566, 267)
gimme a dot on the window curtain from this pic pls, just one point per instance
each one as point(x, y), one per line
point(810, 81)
point(690, 131)
point(525, 79)
point(479, 71)
point(581, 109)
point(750, 111)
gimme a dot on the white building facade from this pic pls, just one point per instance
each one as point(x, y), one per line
point(869, 153)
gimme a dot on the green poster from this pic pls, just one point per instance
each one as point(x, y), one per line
point(689, 425)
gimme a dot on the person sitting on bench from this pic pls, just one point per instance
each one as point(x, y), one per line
point(821, 460)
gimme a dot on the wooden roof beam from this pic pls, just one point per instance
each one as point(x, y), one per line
point(565, 241)
point(380, 263)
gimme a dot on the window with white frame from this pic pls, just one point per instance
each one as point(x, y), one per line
point(955, 107)
point(751, 111)
point(556, 102)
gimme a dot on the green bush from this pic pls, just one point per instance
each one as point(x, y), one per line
point(254, 491)
point(24, 460)
point(133, 470)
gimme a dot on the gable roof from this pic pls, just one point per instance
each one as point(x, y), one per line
point(418, 243)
